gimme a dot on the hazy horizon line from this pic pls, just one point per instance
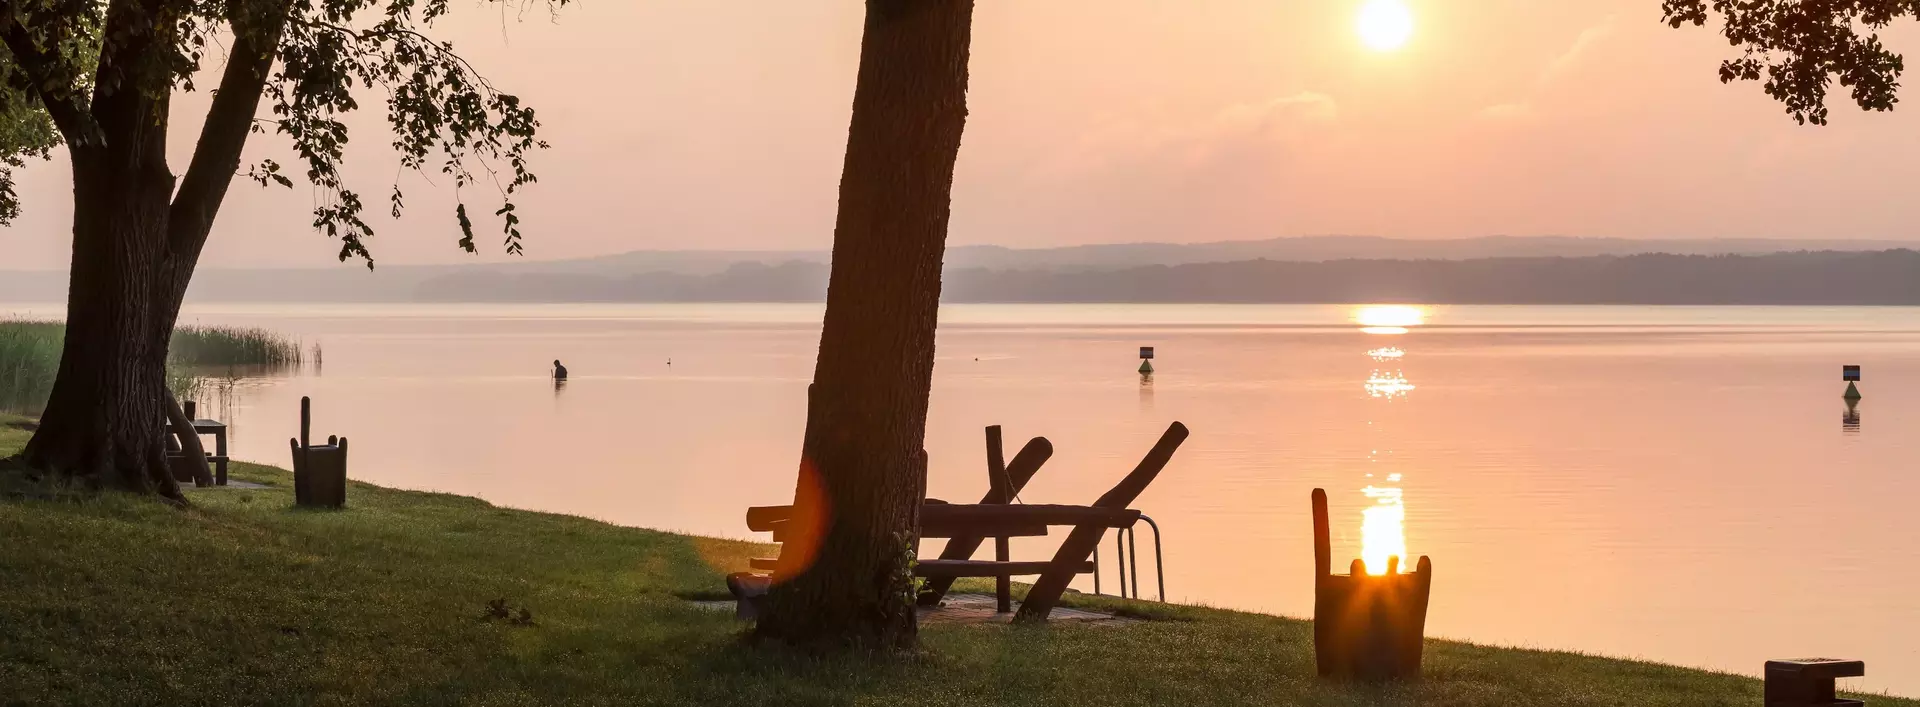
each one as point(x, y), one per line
point(1890, 243)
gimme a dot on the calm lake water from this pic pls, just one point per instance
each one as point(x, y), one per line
point(1677, 484)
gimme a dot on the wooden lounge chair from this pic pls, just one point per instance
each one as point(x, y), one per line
point(974, 522)
point(1085, 538)
point(1004, 482)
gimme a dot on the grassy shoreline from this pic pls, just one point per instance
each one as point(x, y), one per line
point(242, 600)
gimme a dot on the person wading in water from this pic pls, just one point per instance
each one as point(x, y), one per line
point(559, 371)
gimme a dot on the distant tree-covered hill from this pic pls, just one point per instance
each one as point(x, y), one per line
point(1834, 278)
point(1805, 278)
point(1841, 276)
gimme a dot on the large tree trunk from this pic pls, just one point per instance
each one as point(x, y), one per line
point(104, 422)
point(845, 576)
point(136, 242)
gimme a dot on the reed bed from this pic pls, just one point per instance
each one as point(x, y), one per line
point(30, 357)
point(228, 346)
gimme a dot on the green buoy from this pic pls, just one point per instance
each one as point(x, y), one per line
point(1146, 368)
point(1853, 393)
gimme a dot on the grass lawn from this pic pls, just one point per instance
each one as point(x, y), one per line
point(243, 600)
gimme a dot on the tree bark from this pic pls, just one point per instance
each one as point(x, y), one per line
point(105, 419)
point(845, 577)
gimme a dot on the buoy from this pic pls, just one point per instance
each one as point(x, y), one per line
point(1146, 368)
point(1851, 374)
point(1853, 393)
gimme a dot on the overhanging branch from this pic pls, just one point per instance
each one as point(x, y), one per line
point(216, 157)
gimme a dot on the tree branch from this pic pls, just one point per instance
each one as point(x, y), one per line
point(53, 82)
point(216, 157)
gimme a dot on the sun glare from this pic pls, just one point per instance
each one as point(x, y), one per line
point(1383, 529)
point(1384, 25)
point(1390, 315)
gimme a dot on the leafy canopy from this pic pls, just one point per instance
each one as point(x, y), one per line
point(1801, 47)
point(63, 58)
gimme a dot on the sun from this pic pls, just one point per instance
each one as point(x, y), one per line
point(1384, 25)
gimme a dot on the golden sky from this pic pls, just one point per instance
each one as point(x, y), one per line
point(692, 124)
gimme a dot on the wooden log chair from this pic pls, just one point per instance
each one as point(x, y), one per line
point(1366, 626)
point(1004, 483)
point(967, 526)
point(1077, 550)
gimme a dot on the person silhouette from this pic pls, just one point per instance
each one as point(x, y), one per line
point(559, 371)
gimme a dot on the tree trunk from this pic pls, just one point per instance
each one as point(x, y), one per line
point(845, 576)
point(105, 421)
point(136, 242)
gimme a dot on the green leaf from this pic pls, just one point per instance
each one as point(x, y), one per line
point(466, 229)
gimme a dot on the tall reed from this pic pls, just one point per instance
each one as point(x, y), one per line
point(30, 357)
point(227, 346)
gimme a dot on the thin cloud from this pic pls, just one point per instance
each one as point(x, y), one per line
point(1561, 64)
point(1276, 118)
point(1581, 46)
point(1237, 127)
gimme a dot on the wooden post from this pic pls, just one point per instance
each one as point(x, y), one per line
point(1000, 486)
point(220, 450)
point(302, 468)
point(1322, 537)
point(996, 464)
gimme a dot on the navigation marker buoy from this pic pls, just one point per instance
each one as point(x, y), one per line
point(1146, 360)
point(1851, 374)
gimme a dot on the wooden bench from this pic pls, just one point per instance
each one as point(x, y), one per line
point(184, 471)
point(967, 526)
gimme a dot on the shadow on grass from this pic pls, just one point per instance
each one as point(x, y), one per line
point(21, 482)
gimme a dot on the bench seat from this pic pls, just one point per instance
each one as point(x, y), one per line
point(958, 568)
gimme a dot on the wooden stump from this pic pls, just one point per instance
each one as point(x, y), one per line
point(319, 471)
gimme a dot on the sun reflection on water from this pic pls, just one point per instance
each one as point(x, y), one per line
point(1386, 353)
point(1383, 521)
point(1383, 384)
point(1383, 528)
